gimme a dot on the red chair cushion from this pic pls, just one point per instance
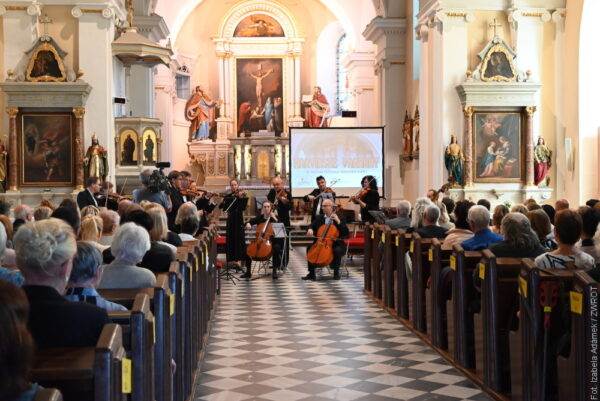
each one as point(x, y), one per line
point(357, 242)
point(221, 240)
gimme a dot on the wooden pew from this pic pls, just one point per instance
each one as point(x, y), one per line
point(578, 373)
point(159, 299)
point(367, 261)
point(436, 306)
point(420, 274)
point(388, 266)
point(138, 339)
point(188, 306)
point(401, 241)
point(460, 321)
point(376, 255)
point(85, 374)
point(499, 299)
point(176, 306)
point(48, 394)
point(527, 374)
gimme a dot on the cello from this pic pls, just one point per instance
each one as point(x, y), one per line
point(261, 248)
point(320, 253)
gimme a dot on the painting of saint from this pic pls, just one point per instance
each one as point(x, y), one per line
point(258, 25)
point(46, 149)
point(498, 66)
point(259, 94)
point(498, 142)
point(128, 148)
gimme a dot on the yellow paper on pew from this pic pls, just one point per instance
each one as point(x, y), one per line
point(397, 241)
point(383, 237)
point(126, 376)
point(412, 246)
point(482, 271)
point(430, 255)
point(207, 256)
point(576, 302)
point(523, 286)
point(372, 234)
point(197, 264)
point(453, 262)
point(182, 292)
point(171, 304)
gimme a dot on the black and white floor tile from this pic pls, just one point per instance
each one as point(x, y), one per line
point(325, 340)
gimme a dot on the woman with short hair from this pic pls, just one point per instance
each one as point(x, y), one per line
point(160, 231)
point(540, 223)
point(499, 212)
point(520, 241)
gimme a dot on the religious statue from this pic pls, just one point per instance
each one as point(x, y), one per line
point(128, 149)
point(259, 76)
point(453, 159)
point(317, 109)
point(542, 157)
point(406, 135)
point(95, 160)
point(3, 157)
point(278, 116)
point(149, 150)
point(415, 131)
point(269, 115)
point(200, 111)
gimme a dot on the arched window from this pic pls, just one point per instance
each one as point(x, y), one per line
point(342, 94)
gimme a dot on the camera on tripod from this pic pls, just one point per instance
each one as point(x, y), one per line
point(158, 181)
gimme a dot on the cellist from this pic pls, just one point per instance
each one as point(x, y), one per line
point(277, 243)
point(339, 248)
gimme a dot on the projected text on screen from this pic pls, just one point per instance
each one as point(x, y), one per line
point(342, 155)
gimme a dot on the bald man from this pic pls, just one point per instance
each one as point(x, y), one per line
point(561, 204)
point(282, 205)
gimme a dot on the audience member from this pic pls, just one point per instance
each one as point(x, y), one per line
point(123, 206)
point(45, 251)
point(483, 237)
point(91, 230)
point(16, 346)
point(42, 213)
point(561, 204)
point(23, 214)
point(12, 275)
point(110, 222)
point(85, 277)
point(403, 219)
point(590, 218)
point(189, 209)
point(160, 231)
point(90, 210)
point(417, 216)
point(444, 220)
point(592, 202)
point(518, 208)
point(430, 228)
point(532, 206)
point(130, 243)
point(48, 204)
point(70, 216)
point(461, 231)
point(450, 206)
point(519, 239)
point(485, 203)
point(540, 224)
point(4, 208)
point(567, 230)
point(69, 202)
point(499, 212)
point(549, 209)
point(189, 227)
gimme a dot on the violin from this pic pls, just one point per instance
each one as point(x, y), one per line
point(261, 249)
point(361, 193)
point(281, 196)
point(320, 253)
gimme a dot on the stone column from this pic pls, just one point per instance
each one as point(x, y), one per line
point(529, 110)
point(78, 112)
point(362, 86)
point(12, 147)
point(468, 146)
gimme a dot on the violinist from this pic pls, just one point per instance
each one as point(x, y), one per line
point(107, 198)
point(318, 195)
point(277, 243)
point(86, 197)
point(367, 198)
point(176, 185)
point(235, 202)
point(339, 248)
point(282, 205)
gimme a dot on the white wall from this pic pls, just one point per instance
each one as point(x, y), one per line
point(326, 49)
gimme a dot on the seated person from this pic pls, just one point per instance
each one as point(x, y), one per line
point(160, 230)
point(430, 228)
point(12, 275)
point(483, 237)
point(17, 350)
point(188, 209)
point(189, 227)
point(590, 218)
point(403, 219)
point(45, 251)
point(70, 216)
point(91, 230)
point(42, 213)
point(86, 275)
point(110, 222)
point(519, 239)
point(276, 243)
point(567, 229)
point(499, 212)
point(540, 223)
point(130, 244)
point(461, 231)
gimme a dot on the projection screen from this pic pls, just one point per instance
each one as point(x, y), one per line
point(342, 155)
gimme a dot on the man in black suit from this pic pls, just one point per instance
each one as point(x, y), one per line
point(86, 197)
point(176, 181)
point(317, 196)
point(282, 205)
point(339, 248)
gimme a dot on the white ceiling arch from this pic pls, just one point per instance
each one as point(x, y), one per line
point(175, 13)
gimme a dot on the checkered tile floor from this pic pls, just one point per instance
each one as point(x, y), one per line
point(294, 340)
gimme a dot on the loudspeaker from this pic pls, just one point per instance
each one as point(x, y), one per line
point(348, 113)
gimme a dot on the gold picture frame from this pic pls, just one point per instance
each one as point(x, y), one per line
point(45, 65)
point(498, 65)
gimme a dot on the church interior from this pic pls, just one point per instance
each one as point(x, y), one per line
point(426, 129)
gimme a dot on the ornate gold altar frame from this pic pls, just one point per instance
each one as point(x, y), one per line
point(45, 47)
point(493, 53)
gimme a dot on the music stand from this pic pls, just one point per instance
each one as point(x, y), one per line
point(280, 232)
point(378, 215)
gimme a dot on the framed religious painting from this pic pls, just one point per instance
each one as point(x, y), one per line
point(45, 143)
point(150, 148)
point(259, 96)
point(258, 25)
point(498, 65)
point(128, 148)
point(498, 146)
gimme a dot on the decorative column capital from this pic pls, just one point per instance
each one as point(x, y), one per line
point(12, 112)
point(79, 112)
point(530, 110)
point(468, 111)
point(534, 14)
point(559, 15)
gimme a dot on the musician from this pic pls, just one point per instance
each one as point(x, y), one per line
point(234, 203)
point(339, 248)
point(86, 197)
point(107, 197)
point(282, 204)
point(368, 198)
point(176, 181)
point(317, 196)
point(276, 243)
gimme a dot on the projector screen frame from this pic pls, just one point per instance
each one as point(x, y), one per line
point(382, 128)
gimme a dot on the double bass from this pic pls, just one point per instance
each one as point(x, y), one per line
point(320, 253)
point(261, 248)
